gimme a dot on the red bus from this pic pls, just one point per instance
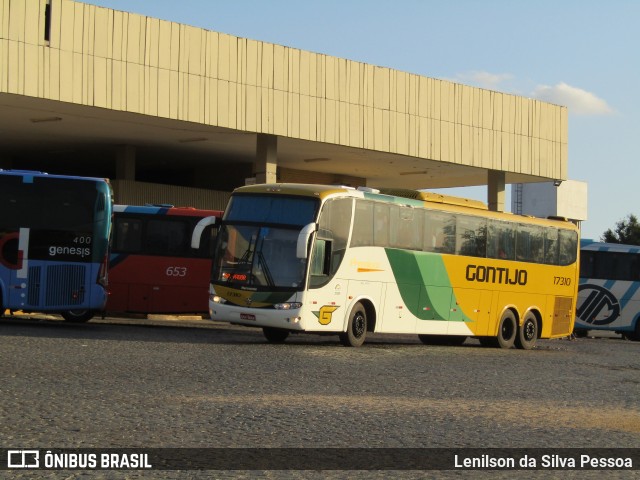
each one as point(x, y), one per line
point(153, 267)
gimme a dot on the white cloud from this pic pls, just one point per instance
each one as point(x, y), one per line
point(490, 81)
point(578, 101)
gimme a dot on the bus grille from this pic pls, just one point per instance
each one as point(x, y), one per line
point(562, 316)
point(33, 287)
point(65, 285)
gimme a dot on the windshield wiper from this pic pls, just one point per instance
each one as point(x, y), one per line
point(265, 269)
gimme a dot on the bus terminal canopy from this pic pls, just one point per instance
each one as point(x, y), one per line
point(82, 84)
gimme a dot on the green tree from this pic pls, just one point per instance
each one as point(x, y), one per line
point(627, 231)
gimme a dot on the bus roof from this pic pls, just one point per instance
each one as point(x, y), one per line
point(592, 245)
point(413, 198)
point(34, 173)
point(166, 210)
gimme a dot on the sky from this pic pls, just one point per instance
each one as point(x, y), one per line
point(583, 54)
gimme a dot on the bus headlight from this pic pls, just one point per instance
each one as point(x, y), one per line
point(217, 299)
point(288, 306)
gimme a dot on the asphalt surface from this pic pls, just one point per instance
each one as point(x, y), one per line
point(125, 383)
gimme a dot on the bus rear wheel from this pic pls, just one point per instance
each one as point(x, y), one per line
point(356, 328)
point(528, 333)
point(77, 316)
point(275, 335)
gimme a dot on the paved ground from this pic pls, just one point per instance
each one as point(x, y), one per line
point(117, 383)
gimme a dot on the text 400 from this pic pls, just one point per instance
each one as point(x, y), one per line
point(82, 239)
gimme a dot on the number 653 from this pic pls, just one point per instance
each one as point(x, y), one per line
point(176, 272)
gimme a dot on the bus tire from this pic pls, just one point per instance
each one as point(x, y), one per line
point(528, 333)
point(507, 331)
point(275, 335)
point(449, 340)
point(77, 316)
point(635, 335)
point(580, 332)
point(356, 327)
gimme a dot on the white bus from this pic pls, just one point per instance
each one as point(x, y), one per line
point(328, 259)
point(609, 291)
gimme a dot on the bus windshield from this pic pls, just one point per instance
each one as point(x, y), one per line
point(255, 256)
point(257, 243)
point(69, 204)
point(270, 209)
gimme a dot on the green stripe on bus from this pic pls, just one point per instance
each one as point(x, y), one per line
point(423, 283)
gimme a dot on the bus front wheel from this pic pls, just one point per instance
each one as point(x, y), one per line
point(275, 335)
point(635, 335)
point(356, 328)
point(77, 316)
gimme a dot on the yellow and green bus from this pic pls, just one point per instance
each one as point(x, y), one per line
point(349, 261)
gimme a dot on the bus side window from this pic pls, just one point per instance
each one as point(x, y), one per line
point(568, 247)
point(335, 220)
point(362, 235)
point(381, 225)
point(166, 237)
point(501, 240)
point(530, 243)
point(471, 236)
point(440, 232)
point(320, 266)
point(587, 263)
point(551, 246)
point(128, 235)
point(635, 267)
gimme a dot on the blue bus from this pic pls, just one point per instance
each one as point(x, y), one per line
point(609, 291)
point(54, 243)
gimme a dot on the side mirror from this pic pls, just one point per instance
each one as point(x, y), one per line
point(303, 239)
point(199, 228)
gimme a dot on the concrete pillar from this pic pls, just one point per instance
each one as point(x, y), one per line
point(266, 163)
point(126, 162)
point(495, 194)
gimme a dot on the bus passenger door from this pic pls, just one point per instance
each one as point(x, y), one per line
point(400, 302)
